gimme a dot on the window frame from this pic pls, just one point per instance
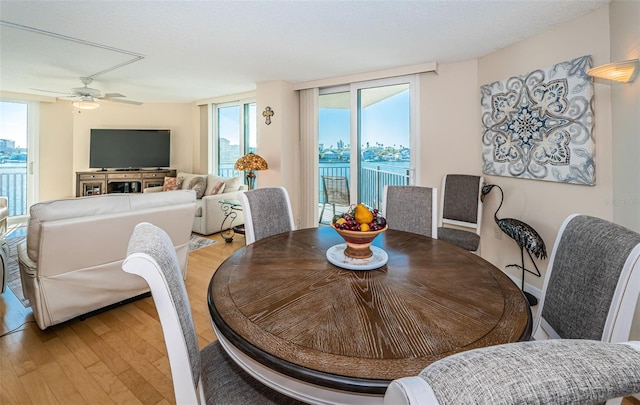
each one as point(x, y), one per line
point(244, 131)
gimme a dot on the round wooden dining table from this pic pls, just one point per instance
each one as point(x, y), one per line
point(326, 334)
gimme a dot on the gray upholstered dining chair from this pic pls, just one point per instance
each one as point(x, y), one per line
point(561, 371)
point(199, 376)
point(461, 211)
point(411, 209)
point(267, 212)
point(335, 191)
point(592, 282)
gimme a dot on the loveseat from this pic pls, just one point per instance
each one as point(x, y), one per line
point(210, 191)
point(71, 261)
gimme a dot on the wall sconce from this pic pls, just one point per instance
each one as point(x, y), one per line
point(622, 72)
point(251, 162)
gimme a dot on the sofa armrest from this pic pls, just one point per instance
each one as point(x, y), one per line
point(153, 189)
point(233, 195)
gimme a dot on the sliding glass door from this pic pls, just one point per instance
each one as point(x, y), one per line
point(384, 140)
point(365, 134)
point(18, 155)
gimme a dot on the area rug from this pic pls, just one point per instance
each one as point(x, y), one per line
point(13, 276)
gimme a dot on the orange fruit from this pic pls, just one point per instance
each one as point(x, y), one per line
point(363, 215)
point(364, 227)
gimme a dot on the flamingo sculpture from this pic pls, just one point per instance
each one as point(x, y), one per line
point(524, 235)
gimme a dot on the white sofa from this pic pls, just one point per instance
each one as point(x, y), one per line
point(71, 261)
point(209, 214)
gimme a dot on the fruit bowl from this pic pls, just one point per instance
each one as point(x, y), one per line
point(358, 242)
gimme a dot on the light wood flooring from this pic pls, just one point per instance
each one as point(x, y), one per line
point(117, 357)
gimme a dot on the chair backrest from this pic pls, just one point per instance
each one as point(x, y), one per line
point(336, 190)
point(461, 203)
point(592, 283)
point(267, 211)
point(151, 255)
point(411, 209)
point(538, 372)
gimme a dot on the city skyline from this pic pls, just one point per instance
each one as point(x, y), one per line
point(386, 122)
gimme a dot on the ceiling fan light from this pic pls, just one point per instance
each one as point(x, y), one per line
point(622, 72)
point(85, 105)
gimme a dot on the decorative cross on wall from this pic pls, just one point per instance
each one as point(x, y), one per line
point(267, 114)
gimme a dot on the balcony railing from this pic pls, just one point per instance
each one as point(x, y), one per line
point(372, 180)
point(13, 185)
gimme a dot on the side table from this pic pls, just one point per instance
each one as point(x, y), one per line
point(230, 209)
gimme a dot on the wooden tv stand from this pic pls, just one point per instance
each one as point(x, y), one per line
point(119, 181)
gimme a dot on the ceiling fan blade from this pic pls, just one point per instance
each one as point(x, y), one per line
point(55, 92)
point(117, 100)
point(112, 95)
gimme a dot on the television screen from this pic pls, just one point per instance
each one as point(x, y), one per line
point(129, 148)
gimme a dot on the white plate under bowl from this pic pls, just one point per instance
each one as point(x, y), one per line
point(336, 256)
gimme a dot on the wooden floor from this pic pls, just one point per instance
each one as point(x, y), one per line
point(117, 357)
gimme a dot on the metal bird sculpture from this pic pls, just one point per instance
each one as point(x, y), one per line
point(524, 235)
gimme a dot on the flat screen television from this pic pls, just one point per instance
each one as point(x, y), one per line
point(130, 148)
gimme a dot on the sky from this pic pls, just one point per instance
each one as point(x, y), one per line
point(386, 122)
point(13, 122)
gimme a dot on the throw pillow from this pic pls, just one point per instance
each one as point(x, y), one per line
point(198, 184)
point(170, 183)
point(218, 188)
point(232, 184)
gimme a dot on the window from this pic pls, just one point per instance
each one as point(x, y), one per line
point(234, 135)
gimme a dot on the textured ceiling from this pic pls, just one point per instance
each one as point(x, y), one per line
point(182, 51)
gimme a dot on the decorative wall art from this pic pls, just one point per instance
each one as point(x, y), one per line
point(267, 114)
point(540, 125)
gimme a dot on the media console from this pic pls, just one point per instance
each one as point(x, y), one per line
point(119, 181)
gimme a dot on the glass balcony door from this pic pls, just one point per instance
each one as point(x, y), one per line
point(365, 135)
point(18, 156)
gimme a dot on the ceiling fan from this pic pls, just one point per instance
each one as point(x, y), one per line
point(86, 96)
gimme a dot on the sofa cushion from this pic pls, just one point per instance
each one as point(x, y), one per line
point(218, 188)
point(231, 184)
point(170, 184)
point(197, 184)
point(187, 177)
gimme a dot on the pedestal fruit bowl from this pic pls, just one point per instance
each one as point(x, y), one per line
point(359, 228)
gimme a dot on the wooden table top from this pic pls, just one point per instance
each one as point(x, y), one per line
point(282, 303)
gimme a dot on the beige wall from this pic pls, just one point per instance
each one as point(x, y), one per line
point(55, 166)
point(449, 116)
point(278, 141)
point(625, 106)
